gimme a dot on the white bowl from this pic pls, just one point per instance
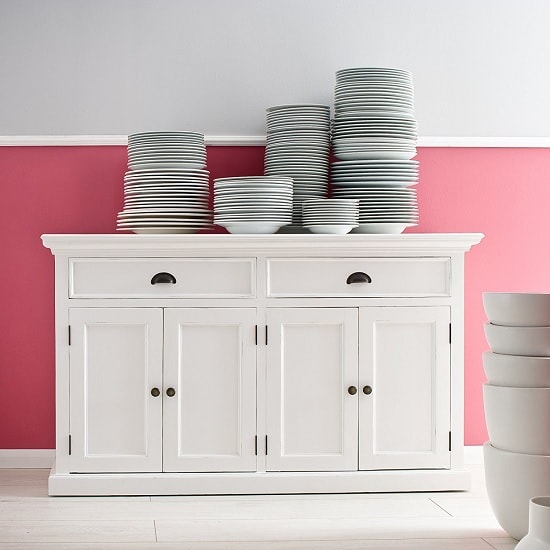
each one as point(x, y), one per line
point(331, 229)
point(518, 371)
point(512, 479)
point(520, 309)
point(518, 419)
point(532, 341)
point(251, 227)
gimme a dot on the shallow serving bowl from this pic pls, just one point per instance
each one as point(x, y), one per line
point(518, 419)
point(532, 341)
point(520, 309)
point(512, 479)
point(519, 371)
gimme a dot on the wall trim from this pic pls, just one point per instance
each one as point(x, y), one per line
point(27, 458)
point(433, 141)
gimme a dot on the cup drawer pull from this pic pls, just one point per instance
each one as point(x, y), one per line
point(358, 277)
point(163, 277)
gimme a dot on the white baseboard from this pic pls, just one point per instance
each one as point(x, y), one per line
point(44, 458)
point(27, 458)
point(473, 454)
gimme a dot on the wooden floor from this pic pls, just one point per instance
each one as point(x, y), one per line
point(29, 519)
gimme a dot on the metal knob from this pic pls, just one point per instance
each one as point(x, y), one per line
point(367, 390)
point(358, 277)
point(155, 392)
point(163, 277)
point(170, 392)
point(352, 390)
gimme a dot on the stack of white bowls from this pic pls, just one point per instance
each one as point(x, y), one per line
point(253, 204)
point(374, 138)
point(297, 146)
point(335, 216)
point(517, 405)
point(166, 188)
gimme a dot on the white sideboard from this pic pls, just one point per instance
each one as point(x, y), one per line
point(208, 364)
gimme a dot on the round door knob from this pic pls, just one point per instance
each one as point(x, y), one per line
point(367, 390)
point(170, 392)
point(352, 390)
point(155, 392)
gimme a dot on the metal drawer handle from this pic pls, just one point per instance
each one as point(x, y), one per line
point(155, 392)
point(367, 390)
point(163, 277)
point(352, 390)
point(170, 392)
point(358, 277)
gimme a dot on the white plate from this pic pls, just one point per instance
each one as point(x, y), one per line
point(330, 229)
point(162, 230)
point(382, 228)
point(253, 227)
point(385, 154)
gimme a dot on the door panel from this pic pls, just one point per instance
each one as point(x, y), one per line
point(210, 361)
point(311, 362)
point(405, 359)
point(115, 361)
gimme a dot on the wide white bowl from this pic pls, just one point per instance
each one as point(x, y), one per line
point(512, 479)
point(519, 309)
point(532, 341)
point(518, 419)
point(331, 229)
point(518, 371)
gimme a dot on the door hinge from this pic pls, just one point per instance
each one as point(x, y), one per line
point(69, 335)
point(449, 441)
point(266, 445)
point(256, 334)
point(70, 444)
point(449, 333)
point(256, 445)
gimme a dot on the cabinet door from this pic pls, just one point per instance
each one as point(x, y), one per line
point(311, 364)
point(405, 358)
point(115, 362)
point(210, 362)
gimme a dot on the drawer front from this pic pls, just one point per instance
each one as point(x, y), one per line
point(134, 278)
point(358, 277)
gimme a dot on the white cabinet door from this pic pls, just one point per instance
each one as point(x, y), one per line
point(210, 367)
point(311, 365)
point(115, 362)
point(405, 359)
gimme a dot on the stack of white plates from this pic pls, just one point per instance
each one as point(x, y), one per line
point(298, 142)
point(377, 173)
point(253, 204)
point(374, 114)
point(166, 189)
point(374, 137)
point(166, 150)
point(383, 209)
point(337, 216)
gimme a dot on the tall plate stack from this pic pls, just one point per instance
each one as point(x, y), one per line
point(298, 143)
point(374, 138)
point(166, 188)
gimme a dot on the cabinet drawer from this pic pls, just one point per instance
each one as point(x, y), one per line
point(388, 277)
point(133, 278)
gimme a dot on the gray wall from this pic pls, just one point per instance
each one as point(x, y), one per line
point(480, 67)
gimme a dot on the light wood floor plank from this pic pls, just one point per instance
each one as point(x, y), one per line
point(77, 531)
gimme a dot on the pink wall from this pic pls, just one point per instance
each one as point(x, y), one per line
point(503, 193)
